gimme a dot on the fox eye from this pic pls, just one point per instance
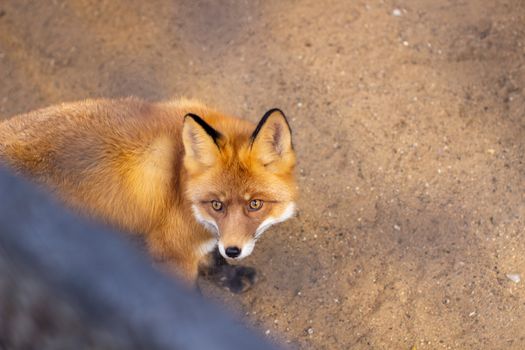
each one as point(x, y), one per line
point(216, 205)
point(255, 204)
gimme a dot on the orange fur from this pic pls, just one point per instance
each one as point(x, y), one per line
point(143, 167)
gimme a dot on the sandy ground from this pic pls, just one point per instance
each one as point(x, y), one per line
point(410, 130)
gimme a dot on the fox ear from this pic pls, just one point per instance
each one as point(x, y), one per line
point(271, 141)
point(201, 142)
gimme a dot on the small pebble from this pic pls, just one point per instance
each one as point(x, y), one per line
point(396, 13)
point(397, 228)
point(514, 277)
point(310, 331)
point(267, 332)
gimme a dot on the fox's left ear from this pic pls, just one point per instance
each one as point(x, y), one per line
point(271, 142)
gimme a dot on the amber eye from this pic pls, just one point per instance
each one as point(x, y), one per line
point(255, 204)
point(216, 205)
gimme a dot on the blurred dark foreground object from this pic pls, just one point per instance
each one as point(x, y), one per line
point(68, 284)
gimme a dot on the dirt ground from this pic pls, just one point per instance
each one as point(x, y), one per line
point(409, 123)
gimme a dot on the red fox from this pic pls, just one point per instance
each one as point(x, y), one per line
point(186, 177)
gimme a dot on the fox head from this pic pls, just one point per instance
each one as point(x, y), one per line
point(240, 177)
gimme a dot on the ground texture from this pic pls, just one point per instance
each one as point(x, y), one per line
point(409, 123)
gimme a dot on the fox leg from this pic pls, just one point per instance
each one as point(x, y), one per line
point(175, 247)
point(184, 266)
point(237, 279)
point(186, 269)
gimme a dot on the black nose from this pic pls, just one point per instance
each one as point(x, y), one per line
point(233, 252)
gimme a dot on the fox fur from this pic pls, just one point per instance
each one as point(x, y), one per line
point(160, 170)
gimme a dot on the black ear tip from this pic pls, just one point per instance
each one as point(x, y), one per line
point(207, 128)
point(274, 110)
point(264, 119)
point(271, 112)
point(278, 110)
point(192, 116)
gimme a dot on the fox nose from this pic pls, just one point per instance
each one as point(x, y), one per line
point(233, 252)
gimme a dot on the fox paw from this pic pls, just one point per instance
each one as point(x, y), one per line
point(237, 279)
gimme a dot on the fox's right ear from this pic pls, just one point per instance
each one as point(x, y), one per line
point(201, 142)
